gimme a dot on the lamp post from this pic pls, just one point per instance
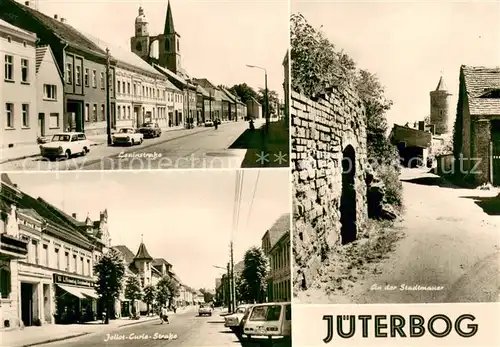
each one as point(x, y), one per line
point(228, 286)
point(266, 96)
point(108, 101)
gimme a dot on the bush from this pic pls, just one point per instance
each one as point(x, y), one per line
point(389, 175)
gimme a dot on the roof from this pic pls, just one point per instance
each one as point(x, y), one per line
point(6, 179)
point(126, 252)
point(40, 54)
point(66, 32)
point(160, 261)
point(219, 94)
point(202, 90)
point(230, 95)
point(238, 267)
point(478, 81)
point(142, 253)
point(205, 83)
point(279, 228)
point(169, 21)
point(17, 29)
point(441, 86)
point(252, 99)
point(170, 74)
point(410, 136)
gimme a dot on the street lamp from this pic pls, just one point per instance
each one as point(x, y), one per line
point(266, 100)
point(229, 287)
point(108, 102)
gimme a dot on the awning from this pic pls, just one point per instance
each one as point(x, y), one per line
point(89, 292)
point(72, 290)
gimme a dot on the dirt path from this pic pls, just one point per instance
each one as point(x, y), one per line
point(450, 244)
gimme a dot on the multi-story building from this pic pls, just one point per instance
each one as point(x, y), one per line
point(50, 93)
point(55, 282)
point(254, 109)
point(82, 63)
point(276, 245)
point(18, 89)
point(215, 97)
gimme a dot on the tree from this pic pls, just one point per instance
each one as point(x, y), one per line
point(167, 289)
point(273, 99)
point(244, 92)
point(109, 270)
point(149, 296)
point(254, 274)
point(207, 296)
point(241, 289)
point(133, 291)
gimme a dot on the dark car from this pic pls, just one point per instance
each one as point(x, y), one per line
point(150, 130)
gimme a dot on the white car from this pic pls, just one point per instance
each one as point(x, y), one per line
point(209, 123)
point(233, 320)
point(269, 320)
point(128, 136)
point(205, 310)
point(65, 145)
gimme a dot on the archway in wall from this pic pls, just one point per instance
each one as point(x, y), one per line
point(348, 198)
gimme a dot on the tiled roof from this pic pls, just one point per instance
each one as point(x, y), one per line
point(66, 32)
point(40, 54)
point(441, 86)
point(171, 74)
point(478, 81)
point(279, 228)
point(126, 252)
point(142, 253)
point(160, 261)
point(61, 214)
point(13, 27)
point(202, 90)
point(230, 95)
point(204, 83)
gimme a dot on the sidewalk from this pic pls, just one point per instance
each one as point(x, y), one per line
point(33, 150)
point(32, 336)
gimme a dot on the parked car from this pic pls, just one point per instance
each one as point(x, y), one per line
point(129, 136)
point(65, 145)
point(233, 320)
point(150, 130)
point(209, 123)
point(271, 320)
point(205, 309)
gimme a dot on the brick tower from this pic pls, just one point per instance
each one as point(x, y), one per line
point(440, 108)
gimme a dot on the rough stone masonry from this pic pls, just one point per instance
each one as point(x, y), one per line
point(321, 131)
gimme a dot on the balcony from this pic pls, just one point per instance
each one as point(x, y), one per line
point(12, 247)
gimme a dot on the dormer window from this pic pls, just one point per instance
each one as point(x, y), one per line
point(493, 93)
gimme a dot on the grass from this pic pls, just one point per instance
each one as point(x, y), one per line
point(265, 150)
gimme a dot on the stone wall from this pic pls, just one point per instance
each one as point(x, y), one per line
point(321, 130)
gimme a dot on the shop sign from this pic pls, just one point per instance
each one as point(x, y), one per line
point(62, 279)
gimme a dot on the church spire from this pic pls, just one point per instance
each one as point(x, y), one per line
point(169, 21)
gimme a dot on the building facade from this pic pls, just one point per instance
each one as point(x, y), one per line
point(276, 245)
point(254, 109)
point(18, 88)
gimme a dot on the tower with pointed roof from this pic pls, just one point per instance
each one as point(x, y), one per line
point(169, 45)
point(140, 43)
point(142, 262)
point(440, 108)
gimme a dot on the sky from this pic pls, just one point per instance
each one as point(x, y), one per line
point(218, 38)
point(411, 44)
point(184, 216)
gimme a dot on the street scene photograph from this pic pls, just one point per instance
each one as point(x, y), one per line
point(395, 145)
point(144, 85)
point(158, 258)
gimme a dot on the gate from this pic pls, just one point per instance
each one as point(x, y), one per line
point(495, 153)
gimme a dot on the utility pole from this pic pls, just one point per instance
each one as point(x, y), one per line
point(108, 101)
point(228, 287)
point(233, 282)
point(267, 102)
point(210, 103)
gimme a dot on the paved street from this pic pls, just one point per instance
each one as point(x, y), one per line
point(186, 329)
point(183, 149)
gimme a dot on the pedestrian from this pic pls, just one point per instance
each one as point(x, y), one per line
point(164, 315)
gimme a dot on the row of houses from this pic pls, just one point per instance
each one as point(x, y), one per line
point(277, 247)
point(47, 262)
point(57, 78)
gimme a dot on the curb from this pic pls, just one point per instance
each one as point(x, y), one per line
point(138, 322)
point(56, 339)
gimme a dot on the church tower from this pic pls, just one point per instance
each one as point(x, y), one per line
point(440, 108)
point(142, 262)
point(169, 47)
point(140, 43)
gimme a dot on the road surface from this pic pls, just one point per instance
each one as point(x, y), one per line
point(185, 329)
point(180, 149)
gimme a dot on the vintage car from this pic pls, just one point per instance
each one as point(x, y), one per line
point(209, 123)
point(269, 320)
point(205, 309)
point(232, 321)
point(65, 145)
point(128, 136)
point(150, 130)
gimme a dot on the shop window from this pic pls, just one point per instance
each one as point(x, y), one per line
point(5, 281)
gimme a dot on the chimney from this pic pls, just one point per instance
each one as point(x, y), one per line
point(27, 3)
point(63, 20)
point(73, 215)
point(55, 16)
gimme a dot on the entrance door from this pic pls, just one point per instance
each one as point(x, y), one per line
point(495, 139)
point(41, 124)
point(348, 199)
point(27, 304)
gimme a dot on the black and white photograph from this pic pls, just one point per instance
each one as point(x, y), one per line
point(395, 145)
point(160, 258)
point(143, 85)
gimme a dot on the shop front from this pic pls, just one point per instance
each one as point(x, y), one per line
point(76, 300)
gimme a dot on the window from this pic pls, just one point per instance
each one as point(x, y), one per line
point(75, 265)
point(5, 281)
point(103, 113)
point(34, 252)
point(66, 255)
point(45, 255)
point(89, 270)
point(87, 112)
point(81, 137)
point(94, 113)
point(119, 89)
point(9, 67)
point(128, 112)
point(128, 88)
point(102, 80)
point(26, 115)
point(24, 70)
point(9, 109)
point(119, 113)
point(69, 73)
point(49, 92)
point(82, 268)
point(58, 262)
point(135, 89)
point(94, 78)
point(78, 75)
point(86, 77)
